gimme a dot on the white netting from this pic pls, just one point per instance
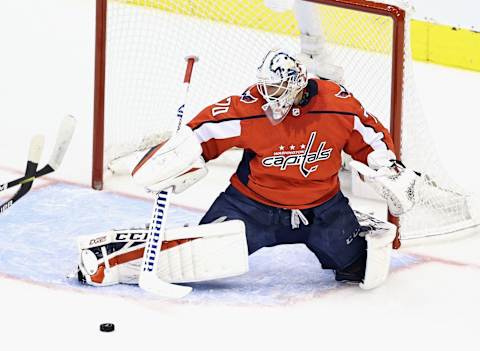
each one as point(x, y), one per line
point(445, 207)
point(148, 40)
point(146, 47)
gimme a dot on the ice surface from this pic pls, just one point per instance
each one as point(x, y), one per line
point(42, 248)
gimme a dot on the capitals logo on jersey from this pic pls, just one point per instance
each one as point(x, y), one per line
point(301, 158)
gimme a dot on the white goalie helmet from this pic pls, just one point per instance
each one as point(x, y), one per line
point(280, 78)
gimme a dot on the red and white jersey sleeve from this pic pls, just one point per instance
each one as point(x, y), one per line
point(219, 126)
point(217, 129)
point(368, 133)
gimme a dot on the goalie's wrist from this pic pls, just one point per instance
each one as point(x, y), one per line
point(378, 159)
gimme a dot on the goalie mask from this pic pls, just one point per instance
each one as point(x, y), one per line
point(280, 78)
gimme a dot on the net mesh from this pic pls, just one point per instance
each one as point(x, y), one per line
point(147, 42)
point(445, 207)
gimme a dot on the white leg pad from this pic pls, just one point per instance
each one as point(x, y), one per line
point(379, 236)
point(189, 254)
point(220, 251)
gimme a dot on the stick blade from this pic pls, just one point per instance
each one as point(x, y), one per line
point(36, 148)
point(64, 136)
point(152, 284)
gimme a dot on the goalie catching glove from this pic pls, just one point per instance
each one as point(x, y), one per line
point(176, 162)
point(189, 254)
point(398, 185)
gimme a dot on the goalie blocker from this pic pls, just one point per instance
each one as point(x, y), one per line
point(175, 162)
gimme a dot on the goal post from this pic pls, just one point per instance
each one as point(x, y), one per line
point(99, 94)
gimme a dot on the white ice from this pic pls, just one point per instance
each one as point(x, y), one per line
point(430, 300)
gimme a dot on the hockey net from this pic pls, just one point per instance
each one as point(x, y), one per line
point(142, 43)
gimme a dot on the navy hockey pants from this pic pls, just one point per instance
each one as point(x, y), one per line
point(332, 233)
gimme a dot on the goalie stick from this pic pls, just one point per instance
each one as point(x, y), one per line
point(64, 136)
point(148, 279)
point(34, 154)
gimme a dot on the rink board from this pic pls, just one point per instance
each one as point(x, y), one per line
point(38, 245)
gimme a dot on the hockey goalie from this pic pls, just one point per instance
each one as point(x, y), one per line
point(293, 128)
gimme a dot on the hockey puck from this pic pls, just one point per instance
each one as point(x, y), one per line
point(107, 327)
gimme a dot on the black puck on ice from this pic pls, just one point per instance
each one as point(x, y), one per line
point(107, 327)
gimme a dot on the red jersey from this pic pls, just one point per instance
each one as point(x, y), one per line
point(294, 164)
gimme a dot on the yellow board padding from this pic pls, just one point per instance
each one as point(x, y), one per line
point(419, 40)
point(254, 14)
point(461, 47)
point(246, 13)
point(430, 42)
point(376, 30)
